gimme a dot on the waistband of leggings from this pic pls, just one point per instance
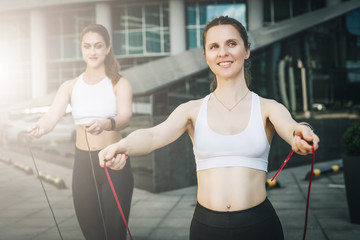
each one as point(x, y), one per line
point(235, 219)
point(85, 151)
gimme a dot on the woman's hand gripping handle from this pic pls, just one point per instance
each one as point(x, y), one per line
point(114, 157)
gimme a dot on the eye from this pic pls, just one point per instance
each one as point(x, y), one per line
point(213, 46)
point(86, 46)
point(232, 44)
point(98, 46)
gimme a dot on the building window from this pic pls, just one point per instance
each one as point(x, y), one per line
point(199, 13)
point(282, 10)
point(141, 29)
point(299, 7)
point(63, 28)
point(278, 10)
point(63, 32)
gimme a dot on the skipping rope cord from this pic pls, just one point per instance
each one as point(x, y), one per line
point(309, 187)
point(42, 185)
point(96, 187)
point(113, 191)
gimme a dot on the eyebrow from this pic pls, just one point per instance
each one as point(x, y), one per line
point(94, 43)
point(232, 40)
point(228, 40)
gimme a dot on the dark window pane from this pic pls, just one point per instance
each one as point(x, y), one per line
point(191, 15)
point(135, 42)
point(316, 4)
point(166, 40)
point(192, 38)
point(83, 19)
point(166, 15)
point(153, 42)
point(135, 17)
point(281, 9)
point(203, 18)
point(68, 23)
point(152, 18)
point(299, 7)
point(119, 44)
point(201, 32)
point(267, 11)
point(70, 45)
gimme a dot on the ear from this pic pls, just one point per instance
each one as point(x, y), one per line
point(247, 54)
point(108, 50)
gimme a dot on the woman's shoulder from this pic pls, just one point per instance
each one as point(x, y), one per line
point(269, 105)
point(67, 86)
point(191, 107)
point(267, 101)
point(195, 102)
point(122, 83)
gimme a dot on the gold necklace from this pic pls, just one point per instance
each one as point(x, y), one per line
point(229, 109)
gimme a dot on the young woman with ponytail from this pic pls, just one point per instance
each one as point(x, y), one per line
point(101, 102)
point(231, 130)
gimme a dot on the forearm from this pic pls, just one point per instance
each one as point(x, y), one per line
point(286, 129)
point(121, 122)
point(47, 122)
point(139, 142)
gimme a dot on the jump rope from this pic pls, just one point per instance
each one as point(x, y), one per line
point(96, 187)
point(42, 186)
point(309, 187)
point(112, 189)
point(119, 205)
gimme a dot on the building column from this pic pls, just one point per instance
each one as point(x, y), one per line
point(103, 16)
point(255, 14)
point(177, 13)
point(38, 54)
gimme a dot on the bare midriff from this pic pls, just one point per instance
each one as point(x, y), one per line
point(96, 142)
point(231, 188)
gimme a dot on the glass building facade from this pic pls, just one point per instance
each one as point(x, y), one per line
point(141, 33)
point(330, 53)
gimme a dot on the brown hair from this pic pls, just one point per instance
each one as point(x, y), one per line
point(225, 20)
point(112, 67)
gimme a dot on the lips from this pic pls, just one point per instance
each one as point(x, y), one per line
point(225, 63)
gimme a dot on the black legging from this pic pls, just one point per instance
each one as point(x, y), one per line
point(86, 199)
point(257, 223)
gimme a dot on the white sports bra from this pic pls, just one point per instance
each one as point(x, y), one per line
point(250, 148)
point(92, 101)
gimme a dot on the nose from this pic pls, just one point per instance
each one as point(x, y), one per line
point(92, 50)
point(222, 51)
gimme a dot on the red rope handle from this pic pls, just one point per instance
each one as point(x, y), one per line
point(309, 187)
point(117, 200)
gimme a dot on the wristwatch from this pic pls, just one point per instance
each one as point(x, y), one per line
point(112, 120)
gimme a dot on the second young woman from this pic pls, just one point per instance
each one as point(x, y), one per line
point(101, 106)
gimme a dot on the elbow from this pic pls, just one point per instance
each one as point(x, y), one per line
point(127, 120)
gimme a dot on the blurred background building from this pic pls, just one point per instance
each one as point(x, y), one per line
point(305, 54)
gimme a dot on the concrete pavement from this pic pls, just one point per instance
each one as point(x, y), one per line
point(24, 213)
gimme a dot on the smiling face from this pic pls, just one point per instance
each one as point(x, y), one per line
point(94, 49)
point(225, 51)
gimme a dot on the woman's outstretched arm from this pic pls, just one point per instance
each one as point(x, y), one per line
point(58, 108)
point(296, 134)
point(144, 141)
